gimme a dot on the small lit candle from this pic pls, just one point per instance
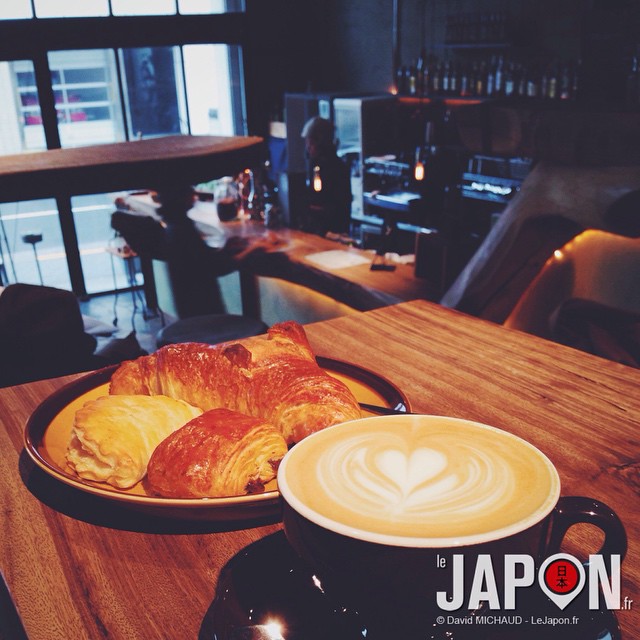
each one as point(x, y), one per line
point(418, 171)
point(317, 180)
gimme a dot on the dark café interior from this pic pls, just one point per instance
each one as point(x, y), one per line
point(435, 202)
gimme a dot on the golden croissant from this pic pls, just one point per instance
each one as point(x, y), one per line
point(274, 377)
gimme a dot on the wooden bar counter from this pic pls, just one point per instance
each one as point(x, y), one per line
point(166, 162)
point(292, 258)
point(135, 164)
point(81, 568)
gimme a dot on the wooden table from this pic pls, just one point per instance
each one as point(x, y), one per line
point(76, 571)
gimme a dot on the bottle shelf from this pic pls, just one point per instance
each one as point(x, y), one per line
point(477, 45)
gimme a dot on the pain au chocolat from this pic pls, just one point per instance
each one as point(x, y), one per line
point(274, 377)
point(219, 453)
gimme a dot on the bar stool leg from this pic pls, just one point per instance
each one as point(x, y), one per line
point(33, 238)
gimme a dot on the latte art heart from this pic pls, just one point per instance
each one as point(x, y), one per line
point(394, 480)
point(387, 479)
point(409, 471)
point(428, 476)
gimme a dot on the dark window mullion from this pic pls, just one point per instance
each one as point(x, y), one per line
point(46, 98)
point(184, 88)
point(121, 90)
point(238, 102)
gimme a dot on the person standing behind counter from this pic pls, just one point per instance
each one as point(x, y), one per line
point(328, 201)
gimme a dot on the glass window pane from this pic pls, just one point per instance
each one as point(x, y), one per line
point(87, 97)
point(154, 91)
point(103, 270)
point(15, 9)
point(71, 8)
point(143, 7)
point(48, 264)
point(43, 262)
point(208, 89)
point(21, 121)
point(202, 6)
point(85, 74)
point(94, 113)
point(88, 94)
point(26, 78)
point(28, 98)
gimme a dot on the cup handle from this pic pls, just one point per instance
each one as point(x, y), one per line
point(572, 510)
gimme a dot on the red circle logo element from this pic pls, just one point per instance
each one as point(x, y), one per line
point(561, 576)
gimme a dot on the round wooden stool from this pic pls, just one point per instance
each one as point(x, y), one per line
point(210, 329)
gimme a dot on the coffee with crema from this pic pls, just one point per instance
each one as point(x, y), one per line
point(419, 481)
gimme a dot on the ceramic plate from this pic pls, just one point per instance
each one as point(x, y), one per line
point(49, 427)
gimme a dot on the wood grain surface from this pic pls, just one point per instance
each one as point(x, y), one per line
point(78, 568)
point(356, 286)
point(151, 163)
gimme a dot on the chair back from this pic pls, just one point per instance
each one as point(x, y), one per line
point(597, 267)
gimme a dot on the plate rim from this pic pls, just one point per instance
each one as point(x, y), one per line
point(42, 416)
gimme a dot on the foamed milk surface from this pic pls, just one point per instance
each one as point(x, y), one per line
point(436, 478)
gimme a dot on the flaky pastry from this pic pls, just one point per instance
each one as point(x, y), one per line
point(113, 437)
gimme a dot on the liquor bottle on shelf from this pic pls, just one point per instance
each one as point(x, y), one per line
point(565, 83)
point(510, 81)
point(498, 77)
point(426, 79)
point(400, 81)
point(575, 80)
point(420, 68)
point(412, 81)
point(533, 82)
point(552, 82)
point(633, 83)
point(543, 84)
point(454, 79)
point(464, 82)
point(473, 78)
point(490, 87)
point(521, 81)
point(446, 77)
point(436, 85)
point(481, 79)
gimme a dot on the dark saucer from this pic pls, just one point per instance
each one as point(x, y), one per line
point(266, 593)
point(265, 584)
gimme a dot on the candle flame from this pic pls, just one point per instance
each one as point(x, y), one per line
point(317, 180)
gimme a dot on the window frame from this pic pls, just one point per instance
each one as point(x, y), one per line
point(34, 38)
